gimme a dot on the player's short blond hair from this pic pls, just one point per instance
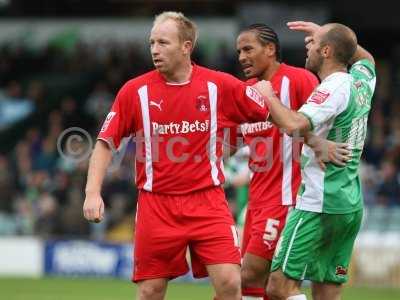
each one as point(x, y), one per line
point(187, 28)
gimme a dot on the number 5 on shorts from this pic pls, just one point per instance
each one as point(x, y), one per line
point(271, 230)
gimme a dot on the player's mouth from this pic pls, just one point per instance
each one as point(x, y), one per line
point(157, 61)
point(247, 68)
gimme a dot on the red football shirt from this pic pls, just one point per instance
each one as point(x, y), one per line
point(179, 127)
point(274, 156)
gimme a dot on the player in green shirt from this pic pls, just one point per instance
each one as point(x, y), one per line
point(318, 239)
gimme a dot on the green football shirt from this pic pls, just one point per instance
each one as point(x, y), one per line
point(338, 110)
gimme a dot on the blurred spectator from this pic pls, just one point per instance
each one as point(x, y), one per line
point(388, 191)
point(36, 93)
point(72, 223)
point(7, 188)
point(99, 102)
point(24, 215)
point(13, 90)
point(47, 216)
point(12, 107)
point(47, 157)
point(369, 179)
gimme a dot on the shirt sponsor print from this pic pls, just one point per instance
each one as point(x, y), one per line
point(249, 128)
point(319, 96)
point(254, 95)
point(107, 122)
point(180, 128)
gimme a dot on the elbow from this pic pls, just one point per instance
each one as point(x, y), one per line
point(105, 144)
point(289, 131)
point(371, 58)
point(294, 124)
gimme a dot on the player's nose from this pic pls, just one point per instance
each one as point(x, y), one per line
point(242, 58)
point(155, 50)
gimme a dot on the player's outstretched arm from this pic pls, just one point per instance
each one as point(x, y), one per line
point(309, 28)
point(290, 121)
point(93, 208)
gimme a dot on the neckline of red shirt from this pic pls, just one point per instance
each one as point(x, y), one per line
point(278, 71)
point(194, 70)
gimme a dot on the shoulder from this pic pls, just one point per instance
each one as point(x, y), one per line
point(214, 75)
point(335, 85)
point(228, 79)
point(223, 81)
point(336, 80)
point(299, 74)
point(207, 73)
point(131, 88)
point(145, 79)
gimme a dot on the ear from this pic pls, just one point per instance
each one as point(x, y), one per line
point(326, 51)
point(187, 47)
point(271, 49)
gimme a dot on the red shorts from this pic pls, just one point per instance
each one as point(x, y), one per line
point(167, 225)
point(262, 229)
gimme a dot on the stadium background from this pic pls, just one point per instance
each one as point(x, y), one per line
point(61, 63)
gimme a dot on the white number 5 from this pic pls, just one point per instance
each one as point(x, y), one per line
point(271, 230)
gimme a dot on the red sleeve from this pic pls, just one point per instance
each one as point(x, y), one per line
point(120, 121)
point(240, 103)
point(307, 83)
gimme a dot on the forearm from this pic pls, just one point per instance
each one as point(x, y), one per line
point(290, 121)
point(98, 164)
point(311, 140)
point(317, 144)
point(361, 53)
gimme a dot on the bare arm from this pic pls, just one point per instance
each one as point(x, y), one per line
point(289, 120)
point(93, 208)
point(309, 28)
point(327, 151)
point(99, 161)
point(361, 53)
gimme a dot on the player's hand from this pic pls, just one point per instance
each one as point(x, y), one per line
point(265, 88)
point(93, 208)
point(309, 28)
point(331, 152)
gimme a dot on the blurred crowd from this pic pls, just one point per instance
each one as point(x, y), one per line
point(42, 192)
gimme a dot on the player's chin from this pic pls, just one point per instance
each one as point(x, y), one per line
point(308, 65)
point(248, 73)
point(159, 66)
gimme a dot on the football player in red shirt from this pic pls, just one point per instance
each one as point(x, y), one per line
point(177, 114)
